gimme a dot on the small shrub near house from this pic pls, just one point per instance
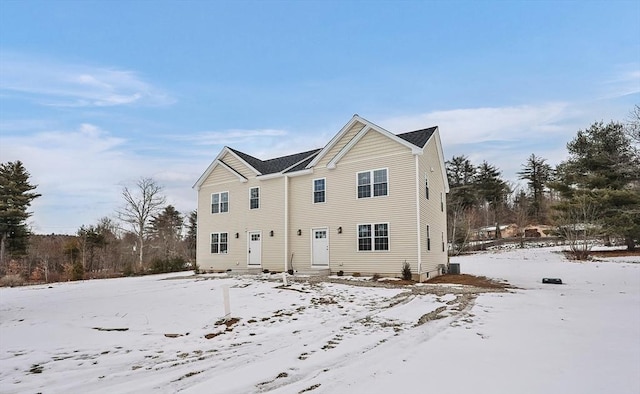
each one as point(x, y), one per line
point(406, 271)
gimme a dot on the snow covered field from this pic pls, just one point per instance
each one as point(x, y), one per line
point(149, 334)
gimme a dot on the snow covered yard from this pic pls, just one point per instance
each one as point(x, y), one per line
point(149, 334)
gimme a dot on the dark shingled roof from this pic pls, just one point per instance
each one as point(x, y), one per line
point(277, 164)
point(418, 138)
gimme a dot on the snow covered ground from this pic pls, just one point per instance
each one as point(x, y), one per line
point(149, 334)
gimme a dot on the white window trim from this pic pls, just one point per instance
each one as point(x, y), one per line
point(373, 183)
point(220, 202)
point(313, 191)
point(428, 237)
point(259, 195)
point(373, 237)
point(219, 233)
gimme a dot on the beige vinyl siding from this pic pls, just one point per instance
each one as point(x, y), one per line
point(430, 212)
point(240, 219)
point(344, 209)
point(348, 136)
point(219, 175)
point(237, 165)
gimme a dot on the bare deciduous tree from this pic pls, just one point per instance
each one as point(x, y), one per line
point(579, 223)
point(140, 205)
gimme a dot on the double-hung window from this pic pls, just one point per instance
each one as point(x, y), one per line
point(319, 189)
point(373, 237)
point(254, 198)
point(428, 237)
point(219, 243)
point(220, 202)
point(373, 183)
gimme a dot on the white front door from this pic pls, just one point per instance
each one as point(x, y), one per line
point(320, 247)
point(255, 248)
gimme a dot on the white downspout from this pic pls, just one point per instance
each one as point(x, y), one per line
point(286, 221)
point(418, 217)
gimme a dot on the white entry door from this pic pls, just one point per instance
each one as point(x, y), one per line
point(320, 247)
point(255, 248)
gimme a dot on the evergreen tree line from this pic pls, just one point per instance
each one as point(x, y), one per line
point(594, 193)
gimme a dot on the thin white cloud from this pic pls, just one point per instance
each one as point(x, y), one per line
point(625, 82)
point(228, 137)
point(80, 173)
point(476, 125)
point(54, 83)
point(503, 136)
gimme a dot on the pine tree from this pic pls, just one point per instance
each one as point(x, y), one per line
point(537, 173)
point(604, 162)
point(492, 189)
point(166, 230)
point(15, 199)
point(192, 232)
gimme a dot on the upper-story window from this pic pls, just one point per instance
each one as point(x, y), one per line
point(372, 183)
point(220, 202)
point(319, 190)
point(254, 198)
point(441, 202)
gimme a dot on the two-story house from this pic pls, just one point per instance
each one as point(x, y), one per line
point(367, 202)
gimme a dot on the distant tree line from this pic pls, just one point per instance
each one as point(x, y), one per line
point(147, 236)
point(594, 193)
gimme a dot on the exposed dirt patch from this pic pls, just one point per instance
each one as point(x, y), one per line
point(110, 329)
point(470, 280)
point(315, 386)
point(227, 322)
point(615, 253)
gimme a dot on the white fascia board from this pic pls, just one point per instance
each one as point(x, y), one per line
point(370, 126)
point(209, 169)
point(436, 137)
point(414, 149)
point(298, 162)
point(332, 164)
point(336, 138)
point(270, 176)
point(249, 166)
point(300, 172)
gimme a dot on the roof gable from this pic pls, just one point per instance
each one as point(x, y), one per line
point(414, 140)
point(218, 162)
point(369, 126)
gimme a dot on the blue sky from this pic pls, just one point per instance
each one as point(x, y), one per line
point(96, 94)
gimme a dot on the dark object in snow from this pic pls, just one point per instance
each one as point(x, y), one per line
point(554, 281)
point(454, 268)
